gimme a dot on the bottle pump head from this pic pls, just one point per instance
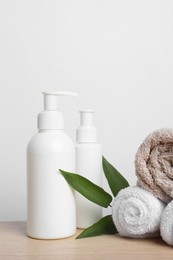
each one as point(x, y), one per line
point(51, 118)
point(86, 133)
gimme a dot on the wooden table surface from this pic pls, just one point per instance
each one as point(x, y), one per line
point(14, 244)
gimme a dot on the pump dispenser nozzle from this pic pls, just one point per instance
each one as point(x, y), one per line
point(51, 118)
point(50, 99)
point(86, 133)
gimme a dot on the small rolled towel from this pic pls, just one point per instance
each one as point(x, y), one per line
point(136, 213)
point(154, 164)
point(166, 225)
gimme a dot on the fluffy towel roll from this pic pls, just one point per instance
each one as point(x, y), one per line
point(137, 213)
point(166, 225)
point(154, 161)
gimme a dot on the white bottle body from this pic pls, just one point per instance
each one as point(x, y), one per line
point(51, 210)
point(89, 165)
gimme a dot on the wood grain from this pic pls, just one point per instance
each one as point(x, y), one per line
point(14, 244)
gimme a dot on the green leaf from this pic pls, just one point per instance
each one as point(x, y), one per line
point(103, 226)
point(88, 189)
point(115, 180)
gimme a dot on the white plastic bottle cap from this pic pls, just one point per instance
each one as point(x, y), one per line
point(51, 118)
point(86, 133)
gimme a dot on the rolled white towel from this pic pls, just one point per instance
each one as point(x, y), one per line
point(137, 213)
point(166, 225)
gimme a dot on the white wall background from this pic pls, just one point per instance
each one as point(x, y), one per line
point(117, 54)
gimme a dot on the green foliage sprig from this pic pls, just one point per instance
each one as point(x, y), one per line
point(98, 196)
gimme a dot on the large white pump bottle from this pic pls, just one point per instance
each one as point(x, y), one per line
point(51, 211)
point(88, 164)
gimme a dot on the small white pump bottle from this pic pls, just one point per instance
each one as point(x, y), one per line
point(89, 165)
point(51, 210)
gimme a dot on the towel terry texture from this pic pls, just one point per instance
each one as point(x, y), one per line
point(153, 163)
point(166, 225)
point(137, 213)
